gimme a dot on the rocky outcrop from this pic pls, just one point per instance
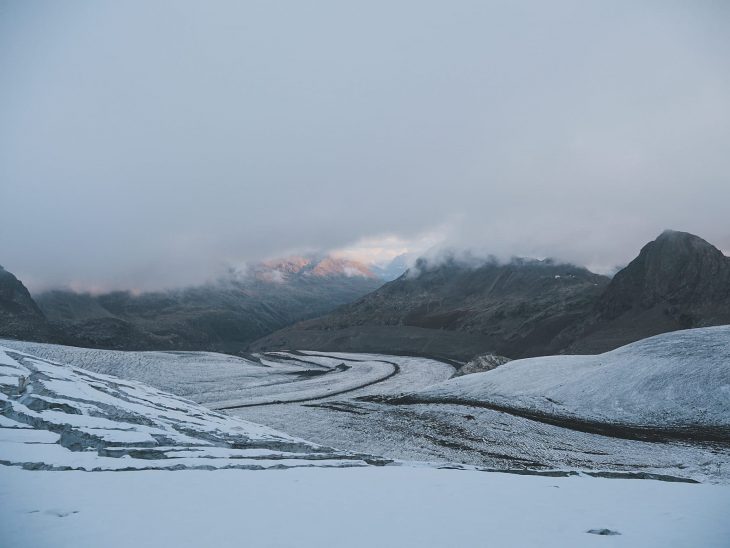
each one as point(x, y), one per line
point(224, 316)
point(20, 317)
point(481, 363)
point(678, 281)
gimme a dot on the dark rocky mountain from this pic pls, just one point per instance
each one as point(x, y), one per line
point(457, 310)
point(678, 281)
point(224, 316)
point(528, 308)
point(453, 310)
point(20, 317)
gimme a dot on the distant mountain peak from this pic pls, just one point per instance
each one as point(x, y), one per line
point(671, 233)
point(678, 271)
point(292, 264)
point(290, 268)
point(393, 269)
point(671, 253)
point(338, 266)
point(676, 241)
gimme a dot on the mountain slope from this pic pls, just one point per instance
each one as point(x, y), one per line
point(223, 316)
point(677, 281)
point(20, 317)
point(677, 383)
point(528, 308)
point(152, 453)
point(456, 310)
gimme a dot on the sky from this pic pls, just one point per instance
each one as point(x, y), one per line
point(149, 144)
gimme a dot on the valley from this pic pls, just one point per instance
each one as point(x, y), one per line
point(406, 408)
point(240, 443)
point(530, 397)
point(364, 274)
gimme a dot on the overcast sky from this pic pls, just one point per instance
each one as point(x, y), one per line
point(149, 144)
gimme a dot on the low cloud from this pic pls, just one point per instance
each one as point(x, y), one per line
point(224, 136)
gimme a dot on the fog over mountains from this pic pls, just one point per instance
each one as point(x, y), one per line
point(224, 315)
point(563, 129)
point(364, 274)
point(452, 309)
point(528, 307)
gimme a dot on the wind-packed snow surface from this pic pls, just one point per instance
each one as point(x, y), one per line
point(398, 507)
point(678, 380)
point(59, 417)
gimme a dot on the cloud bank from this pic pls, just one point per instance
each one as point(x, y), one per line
point(149, 144)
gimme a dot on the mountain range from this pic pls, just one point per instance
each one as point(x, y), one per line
point(224, 316)
point(527, 308)
point(453, 309)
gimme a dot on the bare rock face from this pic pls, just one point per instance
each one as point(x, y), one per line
point(678, 281)
point(482, 363)
point(20, 317)
point(677, 269)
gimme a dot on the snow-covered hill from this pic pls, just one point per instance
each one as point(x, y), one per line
point(59, 417)
point(675, 381)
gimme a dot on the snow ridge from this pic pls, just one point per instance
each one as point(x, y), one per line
point(675, 382)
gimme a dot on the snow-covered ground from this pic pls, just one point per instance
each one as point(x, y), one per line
point(324, 391)
point(354, 507)
point(676, 380)
point(486, 438)
point(89, 459)
point(60, 417)
point(219, 380)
